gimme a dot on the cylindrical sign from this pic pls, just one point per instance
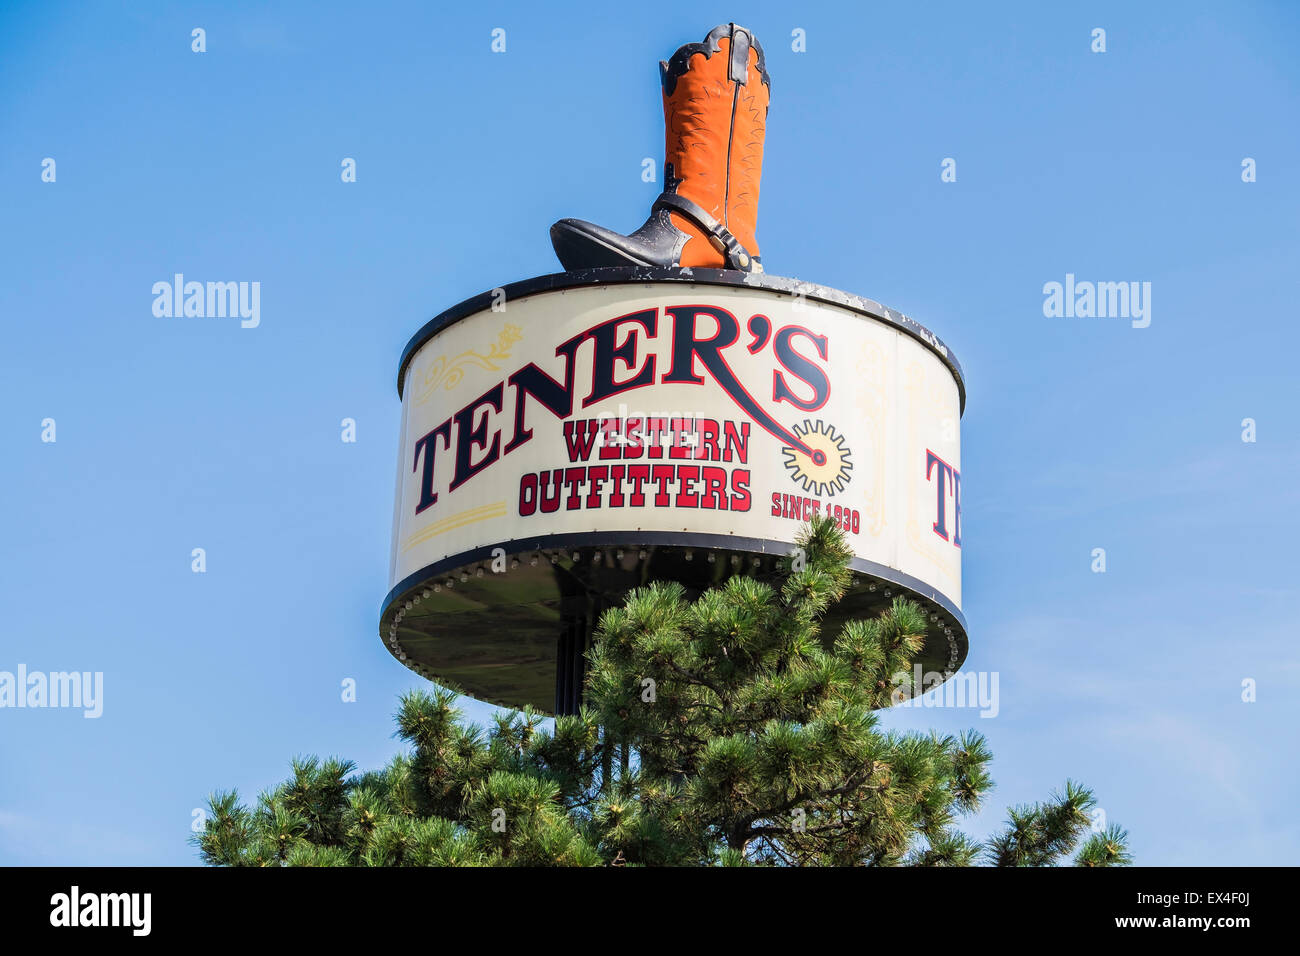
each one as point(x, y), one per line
point(636, 408)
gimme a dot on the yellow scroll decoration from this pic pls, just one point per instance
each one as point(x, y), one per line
point(448, 372)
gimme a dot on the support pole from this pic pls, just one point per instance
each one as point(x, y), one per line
point(579, 614)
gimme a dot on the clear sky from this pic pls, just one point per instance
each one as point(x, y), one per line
point(1079, 433)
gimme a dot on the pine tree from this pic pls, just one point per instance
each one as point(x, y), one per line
point(721, 731)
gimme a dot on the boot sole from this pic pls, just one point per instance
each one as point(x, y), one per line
point(585, 251)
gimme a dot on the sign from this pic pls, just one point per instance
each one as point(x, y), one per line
point(724, 412)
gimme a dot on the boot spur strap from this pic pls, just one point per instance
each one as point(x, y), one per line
point(719, 236)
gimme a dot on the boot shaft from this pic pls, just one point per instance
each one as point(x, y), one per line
point(716, 96)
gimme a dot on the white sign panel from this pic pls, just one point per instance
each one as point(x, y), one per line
point(679, 409)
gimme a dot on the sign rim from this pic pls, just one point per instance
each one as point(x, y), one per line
point(629, 275)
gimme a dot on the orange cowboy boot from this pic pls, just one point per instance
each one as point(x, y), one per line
point(715, 114)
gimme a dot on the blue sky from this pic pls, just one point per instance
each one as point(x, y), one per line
point(1079, 433)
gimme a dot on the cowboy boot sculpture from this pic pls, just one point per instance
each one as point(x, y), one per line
point(715, 114)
